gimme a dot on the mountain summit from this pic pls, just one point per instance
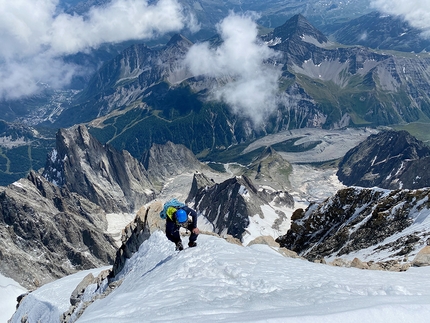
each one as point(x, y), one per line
point(297, 28)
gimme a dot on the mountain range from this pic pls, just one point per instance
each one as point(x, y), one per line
point(150, 93)
point(380, 31)
point(325, 85)
point(97, 163)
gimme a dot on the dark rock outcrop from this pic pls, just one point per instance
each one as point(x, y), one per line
point(228, 205)
point(134, 234)
point(389, 159)
point(360, 219)
point(48, 232)
point(200, 181)
point(114, 180)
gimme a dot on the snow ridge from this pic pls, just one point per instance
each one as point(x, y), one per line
point(222, 282)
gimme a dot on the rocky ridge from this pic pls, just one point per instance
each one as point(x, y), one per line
point(270, 169)
point(380, 225)
point(113, 180)
point(229, 206)
point(376, 30)
point(389, 159)
point(176, 159)
point(48, 232)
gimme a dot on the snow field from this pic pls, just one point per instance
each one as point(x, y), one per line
point(222, 282)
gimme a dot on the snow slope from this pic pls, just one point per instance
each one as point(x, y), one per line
point(222, 282)
point(9, 291)
point(48, 302)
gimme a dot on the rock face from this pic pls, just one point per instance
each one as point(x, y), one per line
point(114, 180)
point(270, 169)
point(164, 161)
point(48, 232)
point(389, 159)
point(200, 182)
point(133, 236)
point(229, 205)
point(376, 30)
point(381, 224)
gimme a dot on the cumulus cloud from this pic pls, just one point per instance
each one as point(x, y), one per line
point(247, 83)
point(415, 12)
point(35, 36)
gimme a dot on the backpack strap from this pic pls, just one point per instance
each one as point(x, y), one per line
point(170, 212)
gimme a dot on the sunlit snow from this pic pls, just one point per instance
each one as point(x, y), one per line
point(222, 282)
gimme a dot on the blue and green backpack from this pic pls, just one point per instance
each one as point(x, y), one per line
point(170, 203)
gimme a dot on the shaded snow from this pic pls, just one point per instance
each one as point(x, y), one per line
point(222, 282)
point(9, 291)
point(116, 223)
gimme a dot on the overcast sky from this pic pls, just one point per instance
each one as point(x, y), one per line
point(35, 35)
point(416, 12)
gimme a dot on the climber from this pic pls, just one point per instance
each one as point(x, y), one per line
point(181, 216)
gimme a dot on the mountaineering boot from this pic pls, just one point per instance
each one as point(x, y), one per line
point(179, 246)
point(192, 244)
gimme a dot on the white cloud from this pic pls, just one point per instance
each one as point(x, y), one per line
point(25, 76)
point(415, 12)
point(247, 84)
point(34, 32)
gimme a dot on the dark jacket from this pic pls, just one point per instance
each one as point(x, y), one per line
point(172, 226)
